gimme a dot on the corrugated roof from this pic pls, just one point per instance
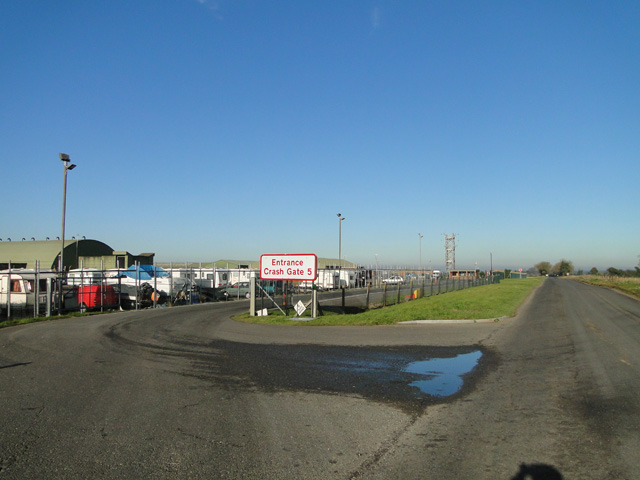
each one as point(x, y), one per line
point(47, 251)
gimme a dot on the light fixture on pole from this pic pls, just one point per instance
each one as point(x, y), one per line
point(340, 219)
point(67, 166)
point(420, 241)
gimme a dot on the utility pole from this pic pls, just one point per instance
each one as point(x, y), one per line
point(420, 241)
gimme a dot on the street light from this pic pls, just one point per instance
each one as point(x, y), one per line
point(67, 166)
point(340, 219)
point(420, 240)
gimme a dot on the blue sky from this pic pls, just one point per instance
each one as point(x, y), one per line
point(205, 130)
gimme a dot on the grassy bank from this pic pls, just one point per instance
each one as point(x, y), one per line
point(490, 301)
point(628, 285)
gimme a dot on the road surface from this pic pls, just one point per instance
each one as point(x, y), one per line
point(187, 393)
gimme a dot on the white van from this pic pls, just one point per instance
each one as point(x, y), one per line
point(85, 276)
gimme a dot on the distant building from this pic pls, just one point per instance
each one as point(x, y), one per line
point(518, 275)
point(88, 253)
point(465, 274)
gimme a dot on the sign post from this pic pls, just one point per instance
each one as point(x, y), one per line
point(285, 267)
point(288, 266)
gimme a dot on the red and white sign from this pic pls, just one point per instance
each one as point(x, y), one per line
point(299, 266)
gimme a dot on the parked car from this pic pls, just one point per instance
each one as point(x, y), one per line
point(393, 280)
point(237, 290)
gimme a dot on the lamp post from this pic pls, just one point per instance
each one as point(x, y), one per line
point(67, 166)
point(340, 219)
point(420, 242)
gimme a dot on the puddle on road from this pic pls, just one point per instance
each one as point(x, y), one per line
point(435, 376)
point(443, 375)
point(410, 377)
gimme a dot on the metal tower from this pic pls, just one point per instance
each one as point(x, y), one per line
point(450, 252)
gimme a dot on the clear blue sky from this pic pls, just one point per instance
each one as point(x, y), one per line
point(205, 130)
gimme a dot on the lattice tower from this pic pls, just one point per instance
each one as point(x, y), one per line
point(450, 252)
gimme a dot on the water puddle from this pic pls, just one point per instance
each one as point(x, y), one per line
point(409, 377)
point(442, 376)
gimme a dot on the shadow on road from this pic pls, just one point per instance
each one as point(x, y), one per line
point(537, 471)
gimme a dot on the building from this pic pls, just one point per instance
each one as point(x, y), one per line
point(88, 253)
point(465, 274)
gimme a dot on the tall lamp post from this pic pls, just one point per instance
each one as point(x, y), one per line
point(420, 242)
point(67, 166)
point(340, 219)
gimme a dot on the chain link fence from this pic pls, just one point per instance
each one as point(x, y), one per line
point(33, 293)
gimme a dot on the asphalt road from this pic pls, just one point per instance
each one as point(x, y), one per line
point(187, 393)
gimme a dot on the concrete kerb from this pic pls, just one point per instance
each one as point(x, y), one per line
point(470, 320)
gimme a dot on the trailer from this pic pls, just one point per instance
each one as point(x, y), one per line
point(26, 291)
point(330, 279)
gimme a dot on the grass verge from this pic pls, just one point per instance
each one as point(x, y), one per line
point(490, 301)
point(628, 285)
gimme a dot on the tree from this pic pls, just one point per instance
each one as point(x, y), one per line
point(543, 268)
point(507, 272)
point(614, 272)
point(593, 271)
point(562, 268)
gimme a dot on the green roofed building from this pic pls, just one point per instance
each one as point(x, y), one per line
point(89, 253)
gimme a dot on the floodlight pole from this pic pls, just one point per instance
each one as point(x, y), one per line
point(340, 219)
point(420, 241)
point(67, 166)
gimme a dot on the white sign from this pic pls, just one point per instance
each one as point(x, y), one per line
point(300, 308)
point(299, 266)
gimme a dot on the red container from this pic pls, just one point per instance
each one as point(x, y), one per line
point(96, 296)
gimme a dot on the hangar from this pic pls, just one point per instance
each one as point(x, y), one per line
point(88, 253)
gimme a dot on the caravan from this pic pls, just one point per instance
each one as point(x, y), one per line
point(26, 290)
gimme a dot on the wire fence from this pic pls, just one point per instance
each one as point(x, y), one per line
point(35, 292)
point(26, 293)
point(352, 300)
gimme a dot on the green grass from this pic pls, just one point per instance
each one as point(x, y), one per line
point(490, 301)
point(628, 285)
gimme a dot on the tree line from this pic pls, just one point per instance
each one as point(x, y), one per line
point(565, 267)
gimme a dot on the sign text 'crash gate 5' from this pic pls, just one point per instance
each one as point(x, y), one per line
point(299, 266)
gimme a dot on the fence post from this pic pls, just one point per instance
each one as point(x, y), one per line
point(398, 299)
point(384, 295)
point(9, 293)
point(36, 288)
point(368, 292)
